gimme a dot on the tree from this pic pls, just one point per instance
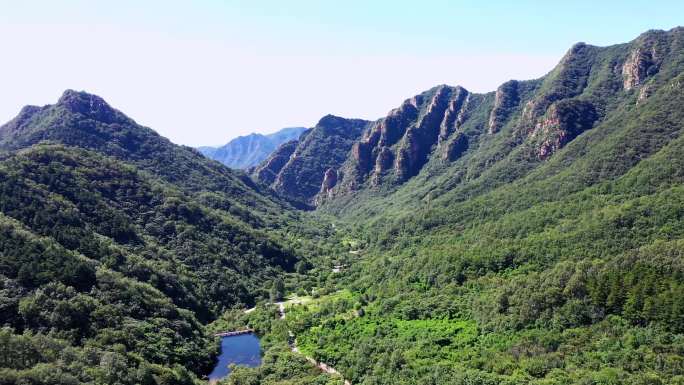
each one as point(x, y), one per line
point(278, 290)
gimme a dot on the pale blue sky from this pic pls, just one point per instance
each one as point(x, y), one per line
point(202, 72)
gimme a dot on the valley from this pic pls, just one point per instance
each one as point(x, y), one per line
point(531, 235)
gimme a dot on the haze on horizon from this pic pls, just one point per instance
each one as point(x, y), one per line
point(204, 72)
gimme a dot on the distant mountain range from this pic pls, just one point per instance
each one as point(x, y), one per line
point(247, 151)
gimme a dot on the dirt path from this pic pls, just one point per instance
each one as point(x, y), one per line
point(293, 346)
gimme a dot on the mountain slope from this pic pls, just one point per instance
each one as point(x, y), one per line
point(120, 246)
point(268, 170)
point(322, 148)
point(532, 235)
point(467, 144)
point(248, 151)
point(87, 121)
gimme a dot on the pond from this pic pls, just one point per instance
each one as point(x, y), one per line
point(242, 349)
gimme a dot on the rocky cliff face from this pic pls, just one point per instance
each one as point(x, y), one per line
point(567, 80)
point(329, 181)
point(506, 98)
point(268, 170)
point(563, 122)
point(645, 58)
point(315, 157)
point(447, 126)
point(535, 118)
point(397, 147)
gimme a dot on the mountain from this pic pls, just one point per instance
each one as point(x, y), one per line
point(248, 151)
point(480, 141)
point(529, 235)
point(268, 170)
point(297, 170)
point(83, 120)
point(118, 246)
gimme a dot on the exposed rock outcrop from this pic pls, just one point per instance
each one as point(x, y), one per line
point(400, 144)
point(640, 64)
point(268, 170)
point(413, 149)
point(566, 81)
point(455, 114)
point(645, 57)
point(456, 147)
point(329, 181)
point(436, 130)
point(384, 134)
point(321, 149)
point(644, 93)
point(92, 106)
point(505, 99)
point(384, 160)
point(361, 153)
point(563, 122)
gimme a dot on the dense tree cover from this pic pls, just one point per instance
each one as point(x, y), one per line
point(496, 268)
point(109, 212)
point(501, 268)
point(281, 366)
point(120, 245)
point(121, 269)
point(106, 319)
point(86, 121)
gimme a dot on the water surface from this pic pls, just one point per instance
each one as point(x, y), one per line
point(242, 349)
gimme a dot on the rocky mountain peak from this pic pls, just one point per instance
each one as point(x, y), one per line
point(331, 121)
point(87, 104)
point(301, 170)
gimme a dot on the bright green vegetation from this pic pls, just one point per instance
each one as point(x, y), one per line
point(501, 268)
point(117, 247)
point(119, 257)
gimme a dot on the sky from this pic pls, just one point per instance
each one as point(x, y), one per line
point(203, 72)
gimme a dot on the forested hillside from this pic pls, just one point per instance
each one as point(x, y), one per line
point(530, 235)
point(534, 235)
point(118, 247)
